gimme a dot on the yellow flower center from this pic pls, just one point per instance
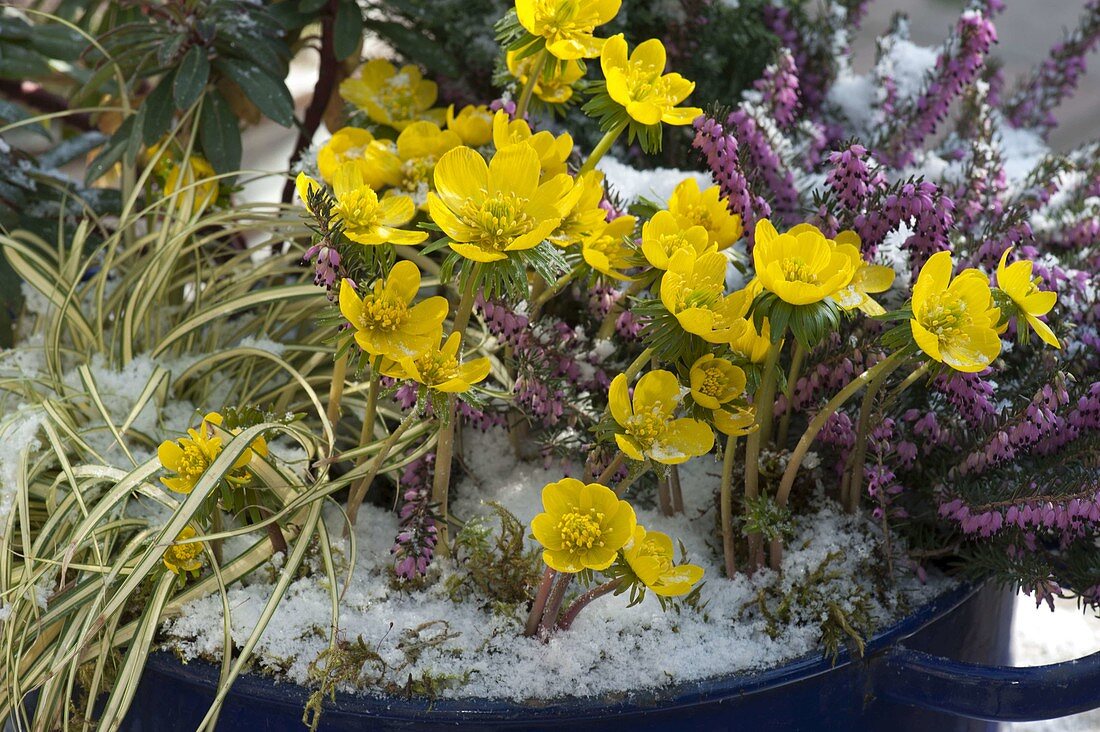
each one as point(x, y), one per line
point(359, 210)
point(704, 298)
point(382, 312)
point(398, 97)
point(435, 367)
point(795, 269)
point(184, 553)
point(945, 314)
point(646, 427)
point(192, 464)
point(672, 243)
point(714, 382)
point(581, 530)
point(500, 220)
point(654, 550)
point(557, 19)
point(699, 214)
point(416, 173)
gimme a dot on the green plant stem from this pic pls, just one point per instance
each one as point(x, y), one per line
point(366, 434)
point(216, 527)
point(764, 400)
point(607, 325)
point(444, 448)
point(550, 292)
point(336, 390)
point(601, 148)
point(677, 490)
point(859, 455)
point(664, 496)
point(798, 358)
point(535, 616)
point(359, 490)
point(636, 471)
point(582, 602)
point(636, 366)
point(822, 416)
point(609, 472)
point(529, 88)
point(553, 605)
point(725, 499)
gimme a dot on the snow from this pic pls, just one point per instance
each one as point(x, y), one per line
point(609, 649)
point(656, 184)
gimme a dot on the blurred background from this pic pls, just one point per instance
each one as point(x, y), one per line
point(1026, 31)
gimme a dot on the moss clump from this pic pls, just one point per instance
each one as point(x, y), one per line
point(493, 563)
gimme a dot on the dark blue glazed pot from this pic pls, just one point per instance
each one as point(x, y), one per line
point(935, 670)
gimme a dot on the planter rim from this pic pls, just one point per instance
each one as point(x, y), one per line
point(263, 690)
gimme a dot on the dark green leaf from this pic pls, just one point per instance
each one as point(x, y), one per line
point(311, 6)
point(59, 42)
point(112, 152)
point(191, 78)
point(158, 110)
point(348, 29)
point(169, 50)
point(70, 149)
point(11, 112)
point(220, 134)
point(265, 91)
point(133, 145)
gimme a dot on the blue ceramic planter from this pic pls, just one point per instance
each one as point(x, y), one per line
point(938, 669)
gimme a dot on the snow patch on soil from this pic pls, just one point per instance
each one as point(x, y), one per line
point(610, 648)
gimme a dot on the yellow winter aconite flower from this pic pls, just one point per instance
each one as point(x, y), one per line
point(390, 96)
point(194, 181)
point(490, 210)
point(184, 558)
point(736, 422)
point(708, 209)
point(582, 526)
point(748, 343)
point(868, 279)
point(649, 429)
point(605, 249)
point(954, 320)
point(473, 125)
point(348, 144)
point(715, 381)
point(693, 289)
point(1015, 280)
point(385, 321)
point(189, 457)
point(801, 266)
point(368, 219)
point(553, 151)
point(408, 165)
point(664, 235)
point(567, 25)
point(586, 216)
point(649, 554)
point(439, 368)
point(557, 89)
point(639, 84)
point(238, 474)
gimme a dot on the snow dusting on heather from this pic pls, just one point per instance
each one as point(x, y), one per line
point(610, 648)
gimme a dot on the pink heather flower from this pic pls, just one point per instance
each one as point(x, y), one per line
point(414, 545)
point(850, 178)
point(1056, 77)
point(956, 68)
point(756, 146)
point(779, 86)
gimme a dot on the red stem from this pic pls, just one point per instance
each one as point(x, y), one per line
point(581, 602)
